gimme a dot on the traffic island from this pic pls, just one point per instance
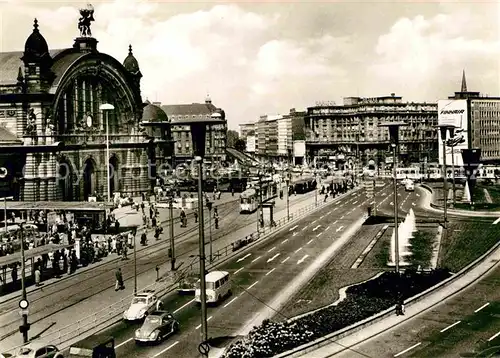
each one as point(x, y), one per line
point(362, 301)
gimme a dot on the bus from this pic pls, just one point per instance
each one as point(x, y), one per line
point(218, 286)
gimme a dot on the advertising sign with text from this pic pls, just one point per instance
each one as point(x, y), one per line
point(453, 112)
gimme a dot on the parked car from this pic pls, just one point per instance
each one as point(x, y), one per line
point(142, 304)
point(156, 327)
point(35, 349)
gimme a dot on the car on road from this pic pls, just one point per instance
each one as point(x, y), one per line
point(156, 327)
point(97, 345)
point(218, 286)
point(409, 185)
point(142, 304)
point(35, 349)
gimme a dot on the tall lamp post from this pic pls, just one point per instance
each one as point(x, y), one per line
point(454, 140)
point(287, 181)
point(106, 107)
point(443, 130)
point(198, 135)
point(172, 237)
point(394, 140)
point(23, 303)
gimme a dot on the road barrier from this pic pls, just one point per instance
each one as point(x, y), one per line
point(321, 342)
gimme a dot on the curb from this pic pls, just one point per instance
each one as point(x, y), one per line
point(321, 342)
point(458, 212)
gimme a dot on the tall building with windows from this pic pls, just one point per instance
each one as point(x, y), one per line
point(53, 132)
point(350, 134)
point(180, 116)
point(478, 118)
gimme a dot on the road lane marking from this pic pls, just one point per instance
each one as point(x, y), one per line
point(253, 284)
point(317, 227)
point(391, 203)
point(285, 260)
point(227, 304)
point(450, 326)
point(494, 336)
point(293, 228)
point(236, 272)
point(334, 209)
point(302, 259)
point(413, 204)
point(256, 259)
point(314, 221)
point(305, 227)
point(483, 306)
point(186, 304)
point(125, 342)
point(295, 234)
point(309, 241)
point(270, 271)
point(342, 217)
point(328, 213)
point(244, 257)
point(272, 258)
point(271, 249)
point(318, 235)
point(284, 241)
point(354, 202)
point(327, 227)
point(496, 221)
point(166, 349)
point(340, 228)
point(198, 326)
point(408, 349)
point(300, 248)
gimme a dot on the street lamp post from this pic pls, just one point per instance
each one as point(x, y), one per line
point(287, 181)
point(106, 107)
point(135, 263)
point(316, 187)
point(24, 328)
point(394, 140)
point(198, 134)
point(172, 237)
point(443, 129)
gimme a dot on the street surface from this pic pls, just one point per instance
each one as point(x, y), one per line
point(89, 291)
point(258, 276)
point(464, 324)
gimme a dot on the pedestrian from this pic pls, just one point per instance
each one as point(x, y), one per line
point(216, 222)
point(195, 217)
point(144, 239)
point(37, 277)
point(119, 280)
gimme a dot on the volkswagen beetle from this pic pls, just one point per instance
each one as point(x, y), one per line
point(157, 326)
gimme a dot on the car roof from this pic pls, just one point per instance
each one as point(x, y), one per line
point(215, 275)
point(93, 341)
point(36, 345)
point(146, 294)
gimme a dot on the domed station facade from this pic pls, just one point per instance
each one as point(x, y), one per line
point(57, 137)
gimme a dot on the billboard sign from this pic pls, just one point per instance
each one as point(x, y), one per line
point(299, 148)
point(453, 112)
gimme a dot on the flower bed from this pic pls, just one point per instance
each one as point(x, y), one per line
point(362, 301)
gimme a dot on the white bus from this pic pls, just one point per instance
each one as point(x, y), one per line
point(218, 287)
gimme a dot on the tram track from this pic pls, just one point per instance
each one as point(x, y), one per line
point(142, 267)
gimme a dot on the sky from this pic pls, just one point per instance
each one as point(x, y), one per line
point(257, 58)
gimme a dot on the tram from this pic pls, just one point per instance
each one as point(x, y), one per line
point(250, 198)
point(303, 186)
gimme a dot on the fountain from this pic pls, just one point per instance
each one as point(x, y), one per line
point(405, 233)
point(466, 196)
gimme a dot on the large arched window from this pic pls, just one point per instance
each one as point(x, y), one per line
point(82, 99)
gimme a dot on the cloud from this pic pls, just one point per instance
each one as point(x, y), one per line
point(418, 52)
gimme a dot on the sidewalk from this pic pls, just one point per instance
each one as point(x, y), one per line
point(128, 217)
point(86, 309)
point(411, 311)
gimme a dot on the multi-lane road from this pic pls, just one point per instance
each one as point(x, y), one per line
point(86, 292)
point(263, 279)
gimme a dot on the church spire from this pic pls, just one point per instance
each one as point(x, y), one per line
point(464, 83)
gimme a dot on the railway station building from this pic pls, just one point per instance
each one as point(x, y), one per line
point(53, 132)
